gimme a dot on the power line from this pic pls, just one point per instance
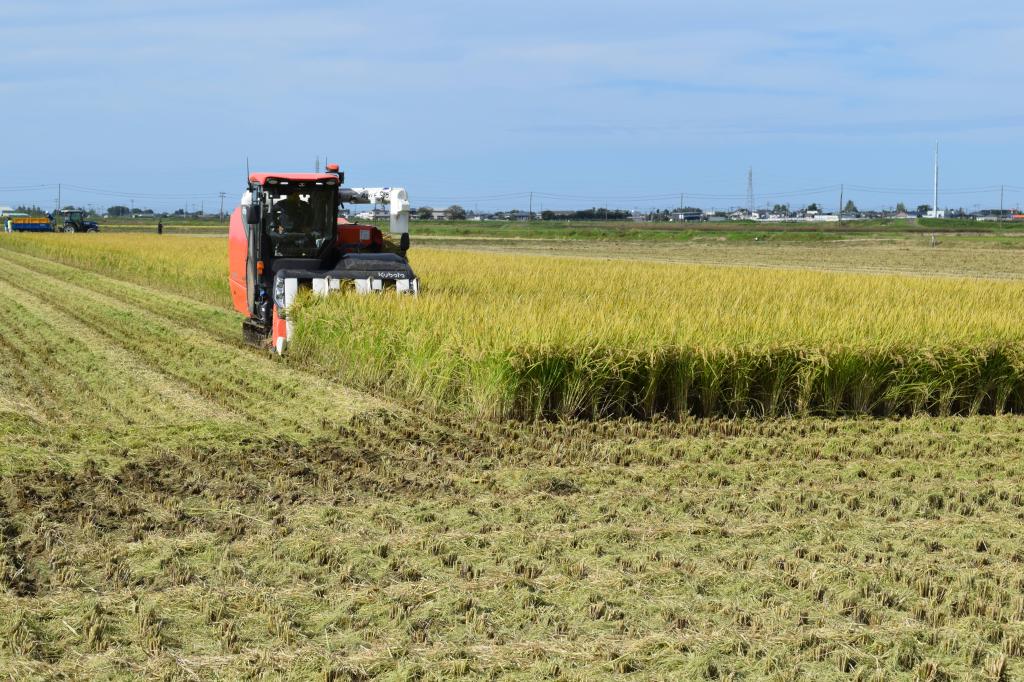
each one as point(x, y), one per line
point(139, 195)
point(553, 198)
point(26, 188)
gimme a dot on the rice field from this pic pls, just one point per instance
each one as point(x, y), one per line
point(515, 336)
point(176, 505)
point(509, 336)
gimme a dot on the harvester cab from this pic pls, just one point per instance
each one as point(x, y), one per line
point(286, 236)
point(74, 221)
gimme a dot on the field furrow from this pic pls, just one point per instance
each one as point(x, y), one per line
point(118, 380)
point(263, 389)
point(192, 313)
point(62, 375)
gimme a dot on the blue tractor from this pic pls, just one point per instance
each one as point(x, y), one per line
point(74, 221)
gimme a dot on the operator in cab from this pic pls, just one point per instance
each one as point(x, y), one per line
point(293, 214)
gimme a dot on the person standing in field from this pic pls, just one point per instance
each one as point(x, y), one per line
point(160, 226)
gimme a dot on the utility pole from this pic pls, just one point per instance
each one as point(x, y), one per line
point(530, 216)
point(680, 202)
point(1000, 204)
point(222, 205)
point(935, 191)
point(318, 164)
point(750, 190)
point(840, 205)
point(58, 199)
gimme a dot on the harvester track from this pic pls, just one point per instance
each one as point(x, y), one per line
point(100, 353)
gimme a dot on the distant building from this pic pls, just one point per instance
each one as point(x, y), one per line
point(688, 215)
point(991, 215)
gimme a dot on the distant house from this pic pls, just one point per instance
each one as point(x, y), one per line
point(522, 216)
point(991, 215)
point(688, 215)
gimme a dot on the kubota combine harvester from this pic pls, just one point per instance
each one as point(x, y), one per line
point(286, 235)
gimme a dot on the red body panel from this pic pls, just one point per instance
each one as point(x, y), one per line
point(353, 237)
point(238, 255)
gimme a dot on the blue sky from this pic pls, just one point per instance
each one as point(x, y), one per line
point(628, 103)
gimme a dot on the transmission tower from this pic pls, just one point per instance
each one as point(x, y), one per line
point(750, 190)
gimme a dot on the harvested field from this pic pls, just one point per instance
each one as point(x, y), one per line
point(399, 546)
point(953, 256)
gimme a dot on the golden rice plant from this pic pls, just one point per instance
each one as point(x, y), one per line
point(523, 336)
point(192, 266)
point(506, 335)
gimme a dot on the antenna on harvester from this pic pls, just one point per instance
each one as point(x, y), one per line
point(750, 190)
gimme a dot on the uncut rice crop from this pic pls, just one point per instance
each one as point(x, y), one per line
point(196, 267)
point(522, 336)
point(503, 335)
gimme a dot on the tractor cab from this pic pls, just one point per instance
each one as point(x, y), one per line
point(286, 236)
point(74, 221)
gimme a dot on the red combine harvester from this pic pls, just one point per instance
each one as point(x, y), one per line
point(286, 235)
